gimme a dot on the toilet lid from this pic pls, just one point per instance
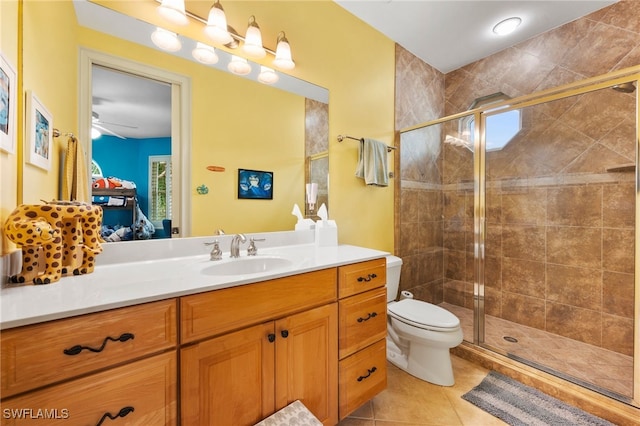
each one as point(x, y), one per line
point(423, 314)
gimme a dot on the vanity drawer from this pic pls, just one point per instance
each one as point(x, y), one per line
point(139, 393)
point(362, 376)
point(361, 277)
point(216, 312)
point(41, 354)
point(363, 320)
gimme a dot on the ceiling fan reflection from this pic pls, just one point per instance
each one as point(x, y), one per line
point(99, 127)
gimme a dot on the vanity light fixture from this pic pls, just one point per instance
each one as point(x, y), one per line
point(205, 54)
point(216, 28)
point(253, 40)
point(507, 26)
point(239, 65)
point(173, 11)
point(267, 75)
point(166, 40)
point(283, 53)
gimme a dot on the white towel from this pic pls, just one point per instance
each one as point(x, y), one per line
point(372, 162)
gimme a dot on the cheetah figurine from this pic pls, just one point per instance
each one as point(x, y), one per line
point(76, 230)
point(31, 235)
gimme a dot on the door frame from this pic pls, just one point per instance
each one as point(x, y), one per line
point(180, 128)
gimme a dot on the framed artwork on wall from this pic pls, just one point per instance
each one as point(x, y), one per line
point(39, 132)
point(255, 184)
point(8, 103)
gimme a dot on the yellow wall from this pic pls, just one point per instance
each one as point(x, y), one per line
point(51, 73)
point(331, 48)
point(8, 162)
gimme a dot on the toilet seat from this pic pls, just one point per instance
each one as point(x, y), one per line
point(423, 315)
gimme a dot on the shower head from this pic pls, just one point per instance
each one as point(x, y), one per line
point(627, 87)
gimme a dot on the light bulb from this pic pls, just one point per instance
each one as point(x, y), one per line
point(283, 54)
point(173, 11)
point(216, 28)
point(239, 65)
point(166, 40)
point(267, 75)
point(205, 54)
point(253, 40)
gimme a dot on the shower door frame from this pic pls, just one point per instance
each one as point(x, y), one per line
point(480, 114)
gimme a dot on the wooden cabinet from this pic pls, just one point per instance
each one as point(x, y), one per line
point(116, 364)
point(241, 354)
point(243, 376)
point(139, 393)
point(363, 330)
point(41, 354)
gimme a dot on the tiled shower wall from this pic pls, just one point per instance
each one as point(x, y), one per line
point(590, 252)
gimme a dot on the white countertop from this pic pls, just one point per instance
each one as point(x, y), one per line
point(115, 285)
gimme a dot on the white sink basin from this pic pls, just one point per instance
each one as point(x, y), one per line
point(247, 265)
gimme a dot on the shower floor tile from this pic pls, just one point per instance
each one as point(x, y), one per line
point(605, 369)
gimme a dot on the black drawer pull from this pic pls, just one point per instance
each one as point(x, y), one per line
point(122, 413)
point(75, 350)
point(271, 337)
point(367, 278)
point(371, 315)
point(369, 372)
point(284, 333)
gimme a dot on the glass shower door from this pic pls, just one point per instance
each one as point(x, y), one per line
point(559, 237)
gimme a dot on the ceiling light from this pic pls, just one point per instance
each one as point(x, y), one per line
point(239, 65)
point(283, 53)
point(507, 26)
point(166, 40)
point(205, 54)
point(216, 28)
point(267, 75)
point(253, 40)
point(173, 11)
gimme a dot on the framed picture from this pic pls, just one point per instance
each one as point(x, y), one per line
point(39, 133)
point(255, 184)
point(8, 103)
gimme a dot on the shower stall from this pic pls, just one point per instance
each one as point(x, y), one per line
point(525, 213)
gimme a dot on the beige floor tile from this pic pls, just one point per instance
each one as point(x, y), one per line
point(409, 401)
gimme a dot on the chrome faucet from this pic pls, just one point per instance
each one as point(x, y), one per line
point(235, 244)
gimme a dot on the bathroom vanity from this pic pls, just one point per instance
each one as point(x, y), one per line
point(184, 345)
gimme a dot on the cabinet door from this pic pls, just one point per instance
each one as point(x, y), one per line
point(229, 380)
point(307, 361)
point(140, 393)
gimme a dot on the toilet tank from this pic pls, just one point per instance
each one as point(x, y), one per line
point(394, 264)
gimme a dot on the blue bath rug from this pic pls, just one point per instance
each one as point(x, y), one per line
point(521, 405)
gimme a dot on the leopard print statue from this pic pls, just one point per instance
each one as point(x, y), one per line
point(75, 230)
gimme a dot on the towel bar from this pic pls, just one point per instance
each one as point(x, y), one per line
point(343, 137)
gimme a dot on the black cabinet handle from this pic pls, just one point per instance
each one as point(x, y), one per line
point(75, 350)
point(371, 315)
point(284, 333)
point(369, 372)
point(367, 278)
point(122, 413)
point(271, 337)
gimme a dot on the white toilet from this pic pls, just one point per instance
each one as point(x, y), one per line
point(419, 334)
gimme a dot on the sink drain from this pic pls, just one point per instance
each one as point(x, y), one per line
point(510, 339)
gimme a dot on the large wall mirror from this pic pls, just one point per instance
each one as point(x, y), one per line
point(217, 121)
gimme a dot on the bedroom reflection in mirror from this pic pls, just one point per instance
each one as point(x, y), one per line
point(131, 154)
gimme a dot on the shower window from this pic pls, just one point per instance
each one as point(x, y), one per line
point(500, 129)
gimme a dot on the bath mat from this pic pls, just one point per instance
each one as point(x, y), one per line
point(521, 405)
